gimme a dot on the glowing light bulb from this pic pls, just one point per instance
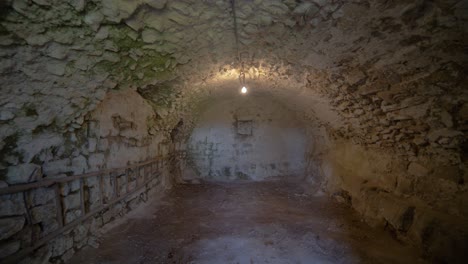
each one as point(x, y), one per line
point(244, 90)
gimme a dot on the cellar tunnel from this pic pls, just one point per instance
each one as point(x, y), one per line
point(240, 131)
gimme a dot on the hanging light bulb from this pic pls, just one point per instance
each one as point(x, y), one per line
point(242, 79)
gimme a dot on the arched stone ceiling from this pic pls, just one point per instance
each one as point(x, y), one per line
point(385, 79)
point(370, 66)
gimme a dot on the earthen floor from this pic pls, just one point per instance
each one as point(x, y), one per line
point(267, 222)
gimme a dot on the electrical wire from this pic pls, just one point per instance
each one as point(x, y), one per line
point(236, 35)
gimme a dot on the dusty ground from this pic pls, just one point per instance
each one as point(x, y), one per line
point(269, 222)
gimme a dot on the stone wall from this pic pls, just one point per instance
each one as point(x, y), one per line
point(88, 232)
point(247, 137)
point(119, 132)
point(402, 196)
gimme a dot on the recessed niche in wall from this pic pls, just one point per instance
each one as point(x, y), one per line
point(244, 127)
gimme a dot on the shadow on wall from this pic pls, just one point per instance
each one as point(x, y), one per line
point(247, 138)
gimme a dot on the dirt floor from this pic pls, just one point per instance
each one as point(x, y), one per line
point(268, 222)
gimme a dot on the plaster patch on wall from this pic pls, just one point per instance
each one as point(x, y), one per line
point(244, 127)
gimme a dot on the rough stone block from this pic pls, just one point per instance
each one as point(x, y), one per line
point(3, 184)
point(12, 204)
point(417, 169)
point(56, 67)
point(94, 197)
point(8, 248)
point(415, 112)
point(306, 9)
point(96, 161)
point(23, 173)
point(356, 76)
point(102, 33)
point(156, 4)
point(43, 212)
point(133, 204)
point(434, 135)
point(79, 5)
point(103, 144)
point(41, 196)
point(70, 216)
point(60, 245)
point(92, 143)
point(79, 165)
point(6, 115)
point(49, 225)
point(94, 19)
point(397, 213)
point(404, 185)
point(64, 189)
point(80, 232)
point(74, 185)
point(107, 217)
point(57, 51)
point(10, 226)
point(71, 201)
point(56, 167)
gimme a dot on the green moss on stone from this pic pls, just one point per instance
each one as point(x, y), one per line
point(106, 66)
point(126, 43)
